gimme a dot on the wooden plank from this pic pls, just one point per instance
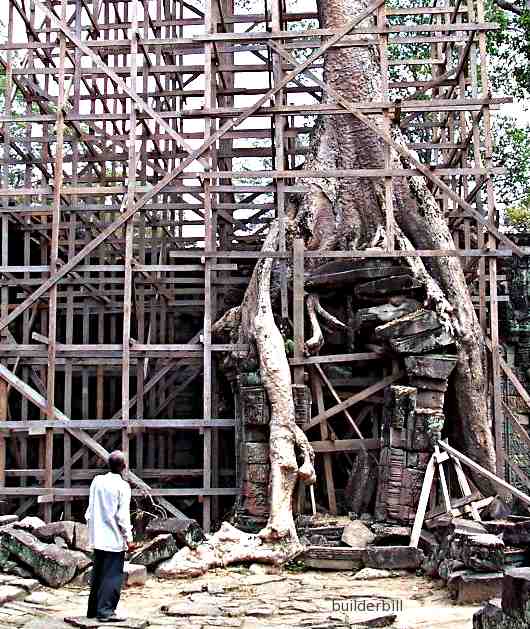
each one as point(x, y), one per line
point(298, 307)
point(422, 503)
point(357, 397)
point(485, 473)
point(345, 445)
point(336, 358)
point(324, 434)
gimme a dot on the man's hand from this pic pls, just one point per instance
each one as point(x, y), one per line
point(131, 546)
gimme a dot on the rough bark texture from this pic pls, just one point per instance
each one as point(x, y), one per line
point(348, 214)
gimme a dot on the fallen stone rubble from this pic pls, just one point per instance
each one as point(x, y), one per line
point(512, 610)
point(472, 557)
point(58, 553)
point(341, 543)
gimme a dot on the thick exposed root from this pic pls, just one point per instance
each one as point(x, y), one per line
point(228, 546)
point(314, 308)
point(284, 433)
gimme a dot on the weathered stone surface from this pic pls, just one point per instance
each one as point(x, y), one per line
point(362, 482)
point(398, 488)
point(39, 598)
point(393, 557)
point(385, 314)
point(514, 533)
point(17, 570)
point(93, 623)
point(64, 529)
point(347, 273)
point(461, 526)
point(384, 287)
point(516, 593)
point(194, 609)
point(385, 534)
point(55, 566)
point(433, 366)
point(492, 617)
point(134, 574)
point(262, 568)
point(483, 553)
point(255, 452)
point(186, 532)
point(370, 574)
point(46, 623)
point(10, 593)
point(414, 333)
point(160, 548)
point(357, 534)
point(30, 585)
point(4, 558)
point(468, 587)
point(30, 523)
point(81, 539)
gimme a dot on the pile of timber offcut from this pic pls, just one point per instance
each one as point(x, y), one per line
point(59, 553)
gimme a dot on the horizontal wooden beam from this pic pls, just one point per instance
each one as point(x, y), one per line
point(116, 424)
point(345, 445)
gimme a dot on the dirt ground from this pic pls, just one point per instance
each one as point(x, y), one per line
point(239, 598)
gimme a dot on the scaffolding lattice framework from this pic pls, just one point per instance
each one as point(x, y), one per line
point(130, 197)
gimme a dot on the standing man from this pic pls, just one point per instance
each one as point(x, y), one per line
point(110, 535)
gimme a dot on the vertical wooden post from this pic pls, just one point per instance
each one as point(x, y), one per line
point(389, 188)
point(4, 244)
point(129, 240)
point(324, 435)
point(279, 123)
point(298, 307)
point(298, 326)
point(498, 414)
point(54, 254)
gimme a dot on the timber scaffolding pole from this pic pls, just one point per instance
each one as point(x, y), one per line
point(140, 170)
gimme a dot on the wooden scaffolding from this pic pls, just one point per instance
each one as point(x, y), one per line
point(146, 146)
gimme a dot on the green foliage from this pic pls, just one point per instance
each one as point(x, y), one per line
point(509, 50)
point(518, 217)
point(512, 151)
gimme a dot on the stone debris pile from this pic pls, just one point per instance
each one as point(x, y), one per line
point(472, 557)
point(58, 553)
point(512, 610)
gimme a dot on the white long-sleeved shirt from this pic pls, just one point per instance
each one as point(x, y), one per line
point(108, 514)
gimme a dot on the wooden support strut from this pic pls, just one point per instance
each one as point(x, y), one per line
point(193, 155)
point(37, 399)
point(404, 152)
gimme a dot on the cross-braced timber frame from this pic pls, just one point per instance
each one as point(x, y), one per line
point(146, 145)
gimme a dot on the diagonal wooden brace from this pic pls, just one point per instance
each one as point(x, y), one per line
point(40, 401)
point(126, 215)
point(404, 152)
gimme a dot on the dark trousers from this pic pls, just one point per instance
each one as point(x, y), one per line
point(107, 579)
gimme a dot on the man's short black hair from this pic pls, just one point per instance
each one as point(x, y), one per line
point(116, 462)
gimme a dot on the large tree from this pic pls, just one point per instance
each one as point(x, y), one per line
point(350, 214)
